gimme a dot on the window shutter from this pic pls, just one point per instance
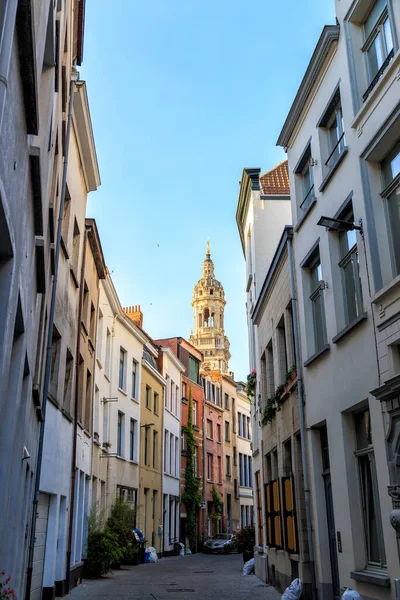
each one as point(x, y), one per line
point(289, 515)
point(269, 517)
point(277, 514)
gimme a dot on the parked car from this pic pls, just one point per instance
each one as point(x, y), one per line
point(222, 542)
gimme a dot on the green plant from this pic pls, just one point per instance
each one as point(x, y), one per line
point(121, 522)
point(273, 405)
point(289, 373)
point(245, 539)
point(6, 592)
point(251, 384)
point(217, 501)
point(191, 496)
point(102, 551)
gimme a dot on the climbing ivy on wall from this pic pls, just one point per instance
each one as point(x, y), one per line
point(191, 496)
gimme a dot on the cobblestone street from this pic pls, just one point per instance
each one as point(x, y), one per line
point(197, 577)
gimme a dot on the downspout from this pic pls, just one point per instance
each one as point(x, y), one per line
point(76, 404)
point(303, 437)
point(6, 45)
point(74, 79)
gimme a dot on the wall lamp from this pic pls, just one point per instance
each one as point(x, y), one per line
point(339, 225)
point(147, 425)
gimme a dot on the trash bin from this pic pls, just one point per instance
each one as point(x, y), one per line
point(140, 544)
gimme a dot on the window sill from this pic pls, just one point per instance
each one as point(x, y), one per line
point(378, 297)
point(315, 356)
point(74, 277)
point(107, 377)
point(333, 169)
point(99, 363)
point(64, 248)
point(91, 344)
point(83, 324)
point(374, 577)
point(134, 400)
point(305, 214)
point(339, 336)
point(122, 391)
point(195, 427)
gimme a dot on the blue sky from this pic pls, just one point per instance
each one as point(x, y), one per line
point(183, 95)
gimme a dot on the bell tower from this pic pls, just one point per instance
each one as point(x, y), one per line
point(208, 334)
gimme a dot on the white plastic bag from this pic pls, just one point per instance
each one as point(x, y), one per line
point(294, 591)
point(248, 567)
point(153, 558)
point(188, 551)
point(351, 595)
point(182, 550)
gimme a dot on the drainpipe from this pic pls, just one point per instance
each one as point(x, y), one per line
point(6, 45)
point(76, 404)
point(303, 437)
point(74, 79)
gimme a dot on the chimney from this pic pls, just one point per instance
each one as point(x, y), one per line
point(135, 314)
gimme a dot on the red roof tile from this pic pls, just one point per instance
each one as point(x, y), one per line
point(276, 181)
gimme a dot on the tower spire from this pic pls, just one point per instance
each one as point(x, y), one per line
point(208, 304)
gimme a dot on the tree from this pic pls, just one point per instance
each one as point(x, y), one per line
point(191, 496)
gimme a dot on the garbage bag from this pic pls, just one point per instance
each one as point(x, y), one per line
point(188, 551)
point(182, 550)
point(294, 591)
point(152, 554)
point(248, 567)
point(351, 595)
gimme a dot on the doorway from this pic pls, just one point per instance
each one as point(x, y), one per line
point(330, 516)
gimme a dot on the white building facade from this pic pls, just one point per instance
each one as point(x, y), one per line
point(244, 458)
point(116, 414)
point(171, 370)
point(340, 136)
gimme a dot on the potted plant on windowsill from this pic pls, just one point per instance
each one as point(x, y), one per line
point(291, 376)
point(251, 384)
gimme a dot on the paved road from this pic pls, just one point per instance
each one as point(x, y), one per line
point(196, 577)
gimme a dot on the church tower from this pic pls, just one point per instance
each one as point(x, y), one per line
point(208, 306)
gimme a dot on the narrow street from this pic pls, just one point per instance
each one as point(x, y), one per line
point(197, 577)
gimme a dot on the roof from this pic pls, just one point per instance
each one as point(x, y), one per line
point(276, 181)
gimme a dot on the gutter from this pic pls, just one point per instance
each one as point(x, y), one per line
point(300, 388)
point(74, 79)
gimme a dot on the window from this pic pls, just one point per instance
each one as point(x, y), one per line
point(193, 369)
point(226, 401)
point(332, 136)
point(234, 456)
point(148, 396)
point(317, 303)
point(184, 390)
point(281, 347)
point(228, 466)
point(390, 167)
point(166, 461)
point(209, 429)
point(240, 425)
point(378, 46)
point(227, 432)
point(155, 449)
point(75, 251)
point(120, 433)
point(105, 423)
point(122, 363)
point(210, 467)
point(171, 453)
point(134, 372)
point(241, 469)
point(206, 317)
point(305, 179)
point(177, 457)
point(132, 439)
point(350, 267)
point(183, 441)
point(69, 363)
point(194, 413)
point(156, 396)
point(108, 352)
point(248, 428)
point(219, 469)
point(195, 461)
point(219, 437)
point(270, 366)
point(369, 490)
point(99, 338)
point(171, 396)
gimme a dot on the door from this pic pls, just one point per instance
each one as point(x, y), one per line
point(40, 546)
point(331, 535)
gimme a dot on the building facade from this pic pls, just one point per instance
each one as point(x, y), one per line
point(171, 369)
point(340, 137)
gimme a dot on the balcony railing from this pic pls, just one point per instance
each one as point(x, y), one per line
point(378, 75)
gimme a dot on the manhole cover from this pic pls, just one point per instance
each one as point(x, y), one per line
point(180, 590)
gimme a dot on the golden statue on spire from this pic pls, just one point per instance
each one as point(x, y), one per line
point(208, 252)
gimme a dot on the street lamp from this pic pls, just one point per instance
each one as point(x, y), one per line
point(339, 225)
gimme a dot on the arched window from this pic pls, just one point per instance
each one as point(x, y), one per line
point(212, 320)
point(200, 320)
point(221, 320)
point(206, 317)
